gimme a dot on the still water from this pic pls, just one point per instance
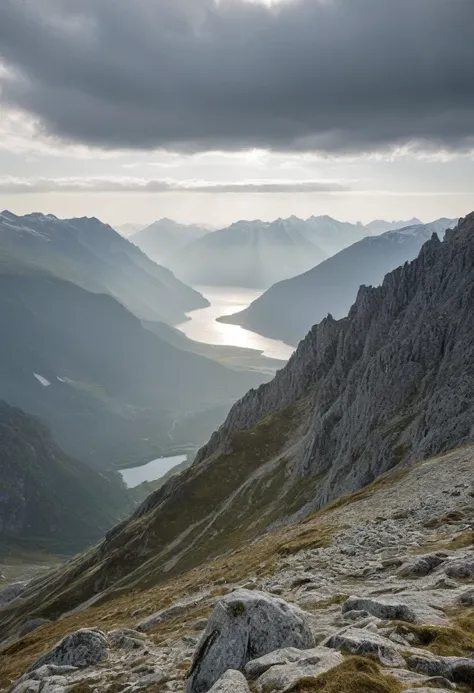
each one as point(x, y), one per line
point(202, 327)
point(151, 471)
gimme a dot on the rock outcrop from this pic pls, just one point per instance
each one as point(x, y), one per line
point(83, 648)
point(244, 626)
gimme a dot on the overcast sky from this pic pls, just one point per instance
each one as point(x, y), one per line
point(205, 111)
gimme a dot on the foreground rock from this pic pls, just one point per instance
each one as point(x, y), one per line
point(364, 643)
point(457, 669)
point(285, 677)
point(231, 682)
point(243, 626)
point(82, 648)
point(389, 609)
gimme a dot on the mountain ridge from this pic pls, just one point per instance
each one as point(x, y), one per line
point(97, 258)
point(287, 309)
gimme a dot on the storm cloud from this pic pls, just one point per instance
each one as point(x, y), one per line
point(192, 75)
point(83, 185)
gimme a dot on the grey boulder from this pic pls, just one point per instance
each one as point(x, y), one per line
point(286, 676)
point(365, 643)
point(82, 648)
point(287, 655)
point(421, 566)
point(243, 626)
point(389, 609)
point(231, 682)
point(457, 669)
point(461, 568)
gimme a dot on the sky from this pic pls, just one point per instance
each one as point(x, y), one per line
point(210, 111)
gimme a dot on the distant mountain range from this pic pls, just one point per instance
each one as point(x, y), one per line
point(48, 500)
point(112, 391)
point(288, 309)
point(164, 237)
point(250, 253)
point(94, 256)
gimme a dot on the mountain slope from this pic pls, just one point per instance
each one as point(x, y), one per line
point(390, 384)
point(111, 390)
point(96, 257)
point(165, 236)
point(49, 500)
point(288, 309)
point(251, 254)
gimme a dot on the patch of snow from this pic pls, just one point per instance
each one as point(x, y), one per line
point(42, 380)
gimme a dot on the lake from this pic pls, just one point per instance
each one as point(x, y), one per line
point(202, 326)
point(151, 471)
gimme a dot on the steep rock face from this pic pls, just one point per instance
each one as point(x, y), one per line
point(390, 384)
point(288, 309)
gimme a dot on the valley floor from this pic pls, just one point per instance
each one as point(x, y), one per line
point(407, 540)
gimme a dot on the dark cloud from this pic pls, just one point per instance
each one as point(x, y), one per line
point(191, 75)
point(48, 185)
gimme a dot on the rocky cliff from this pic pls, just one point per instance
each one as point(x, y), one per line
point(388, 385)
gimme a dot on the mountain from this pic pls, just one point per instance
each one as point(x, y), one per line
point(129, 229)
point(94, 256)
point(388, 385)
point(330, 234)
point(288, 309)
point(164, 237)
point(49, 500)
point(111, 390)
point(247, 253)
point(381, 226)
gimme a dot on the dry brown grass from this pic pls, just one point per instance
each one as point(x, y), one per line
point(456, 640)
point(354, 675)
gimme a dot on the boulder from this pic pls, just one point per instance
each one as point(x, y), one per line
point(466, 598)
point(285, 677)
point(126, 639)
point(461, 568)
point(82, 648)
point(362, 642)
point(421, 566)
point(231, 682)
point(243, 626)
point(457, 669)
point(287, 655)
point(389, 609)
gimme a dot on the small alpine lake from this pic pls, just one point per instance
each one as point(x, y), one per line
point(133, 476)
